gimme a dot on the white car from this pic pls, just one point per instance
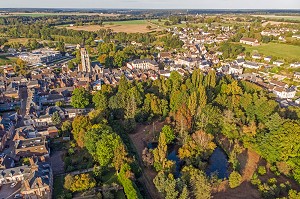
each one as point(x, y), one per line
point(13, 185)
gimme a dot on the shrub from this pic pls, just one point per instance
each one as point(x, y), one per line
point(235, 179)
point(261, 170)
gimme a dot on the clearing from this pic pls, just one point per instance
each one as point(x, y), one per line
point(144, 134)
point(278, 50)
point(133, 26)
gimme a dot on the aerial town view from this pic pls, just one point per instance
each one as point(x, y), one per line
point(141, 99)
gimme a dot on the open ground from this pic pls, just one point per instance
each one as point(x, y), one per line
point(133, 26)
point(278, 50)
point(294, 18)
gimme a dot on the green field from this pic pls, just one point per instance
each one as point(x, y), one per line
point(7, 60)
point(286, 52)
point(294, 18)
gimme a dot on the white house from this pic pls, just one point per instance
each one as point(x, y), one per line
point(295, 65)
point(249, 41)
point(285, 93)
point(278, 63)
point(268, 59)
point(297, 75)
point(251, 65)
point(256, 56)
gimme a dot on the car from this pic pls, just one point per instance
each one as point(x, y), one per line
point(13, 185)
point(18, 196)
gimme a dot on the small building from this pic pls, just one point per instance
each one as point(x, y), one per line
point(295, 65)
point(251, 65)
point(278, 63)
point(268, 59)
point(297, 75)
point(249, 41)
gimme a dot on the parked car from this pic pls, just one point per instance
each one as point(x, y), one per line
point(18, 196)
point(13, 185)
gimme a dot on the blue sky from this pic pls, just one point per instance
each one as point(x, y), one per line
point(148, 4)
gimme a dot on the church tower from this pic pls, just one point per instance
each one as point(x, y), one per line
point(85, 61)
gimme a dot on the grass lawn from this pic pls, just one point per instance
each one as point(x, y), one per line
point(7, 60)
point(281, 51)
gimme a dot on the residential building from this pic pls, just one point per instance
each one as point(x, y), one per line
point(144, 64)
point(249, 41)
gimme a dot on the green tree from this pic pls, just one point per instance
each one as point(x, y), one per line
point(169, 133)
point(160, 154)
point(100, 100)
point(129, 186)
point(80, 98)
point(106, 147)
point(235, 179)
point(82, 182)
point(56, 119)
point(59, 103)
point(66, 126)
point(201, 188)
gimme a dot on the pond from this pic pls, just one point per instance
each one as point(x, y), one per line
point(218, 163)
point(172, 155)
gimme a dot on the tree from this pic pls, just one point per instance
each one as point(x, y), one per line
point(80, 98)
point(56, 119)
point(69, 179)
point(200, 185)
point(235, 179)
point(66, 126)
point(59, 103)
point(79, 182)
point(130, 187)
point(198, 144)
point(183, 119)
point(169, 133)
point(100, 100)
point(106, 147)
point(166, 184)
point(80, 125)
point(120, 157)
point(160, 154)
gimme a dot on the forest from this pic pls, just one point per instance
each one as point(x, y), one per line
point(198, 111)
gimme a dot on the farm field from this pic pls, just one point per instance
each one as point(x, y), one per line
point(295, 18)
point(18, 40)
point(280, 51)
point(133, 26)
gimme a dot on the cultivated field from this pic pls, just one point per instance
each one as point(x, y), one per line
point(294, 18)
point(41, 14)
point(133, 26)
point(281, 51)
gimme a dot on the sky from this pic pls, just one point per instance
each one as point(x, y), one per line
point(154, 4)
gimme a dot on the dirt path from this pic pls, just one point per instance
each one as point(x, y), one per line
point(251, 165)
point(143, 135)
